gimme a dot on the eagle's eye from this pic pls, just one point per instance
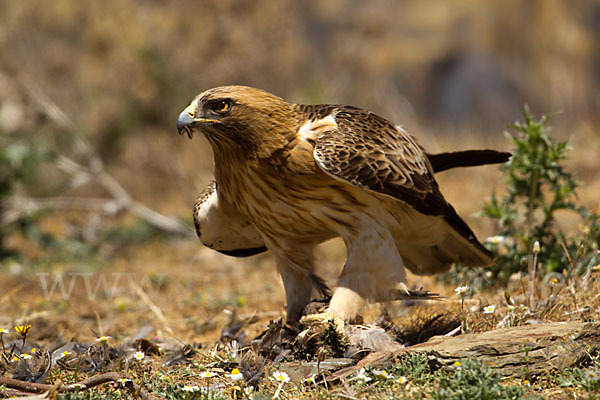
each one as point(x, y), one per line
point(222, 106)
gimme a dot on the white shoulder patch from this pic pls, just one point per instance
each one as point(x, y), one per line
point(312, 131)
point(401, 129)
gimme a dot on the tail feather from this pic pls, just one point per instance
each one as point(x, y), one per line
point(468, 158)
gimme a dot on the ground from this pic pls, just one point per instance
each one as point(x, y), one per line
point(173, 292)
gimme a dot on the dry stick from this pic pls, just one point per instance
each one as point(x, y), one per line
point(532, 283)
point(13, 393)
point(31, 387)
point(571, 273)
point(95, 171)
point(565, 282)
point(153, 307)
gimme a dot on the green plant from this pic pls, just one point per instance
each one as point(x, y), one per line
point(415, 367)
point(587, 379)
point(538, 188)
point(19, 162)
point(473, 380)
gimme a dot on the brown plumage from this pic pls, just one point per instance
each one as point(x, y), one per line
point(291, 176)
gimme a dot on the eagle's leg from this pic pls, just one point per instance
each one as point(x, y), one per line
point(295, 265)
point(374, 270)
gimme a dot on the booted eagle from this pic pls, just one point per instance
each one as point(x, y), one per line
point(290, 176)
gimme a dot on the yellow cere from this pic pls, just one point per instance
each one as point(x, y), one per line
point(191, 110)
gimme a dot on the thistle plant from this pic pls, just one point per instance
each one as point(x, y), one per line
point(538, 188)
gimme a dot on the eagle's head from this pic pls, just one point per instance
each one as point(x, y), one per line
point(240, 119)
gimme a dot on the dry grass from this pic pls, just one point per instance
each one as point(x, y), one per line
point(175, 292)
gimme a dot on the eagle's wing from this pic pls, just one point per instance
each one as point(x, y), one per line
point(369, 152)
point(222, 228)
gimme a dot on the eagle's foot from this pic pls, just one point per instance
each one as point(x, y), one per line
point(324, 318)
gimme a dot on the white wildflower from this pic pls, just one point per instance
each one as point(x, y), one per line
point(489, 309)
point(496, 239)
point(461, 290)
point(382, 373)
point(281, 376)
point(236, 375)
point(207, 374)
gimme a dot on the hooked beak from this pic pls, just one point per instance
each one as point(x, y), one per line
point(187, 120)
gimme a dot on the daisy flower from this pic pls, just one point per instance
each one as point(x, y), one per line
point(103, 339)
point(139, 355)
point(77, 386)
point(281, 376)
point(236, 375)
point(591, 374)
point(402, 380)
point(123, 381)
point(489, 309)
point(207, 374)
point(596, 268)
point(495, 239)
point(26, 356)
point(461, 290)
point(381, 373)
point(363, 376)
point(190, 388)
point(3, 331)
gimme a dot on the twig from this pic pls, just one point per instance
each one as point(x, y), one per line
point(95, 172)
point(454, 331)
point(532, 301)
point(31, 387)
point(153, 307)
point(123, 201)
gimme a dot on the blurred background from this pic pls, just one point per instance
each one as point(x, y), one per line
point(93, 89)
point(123, 70)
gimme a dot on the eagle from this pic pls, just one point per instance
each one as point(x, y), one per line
point(290, 176)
